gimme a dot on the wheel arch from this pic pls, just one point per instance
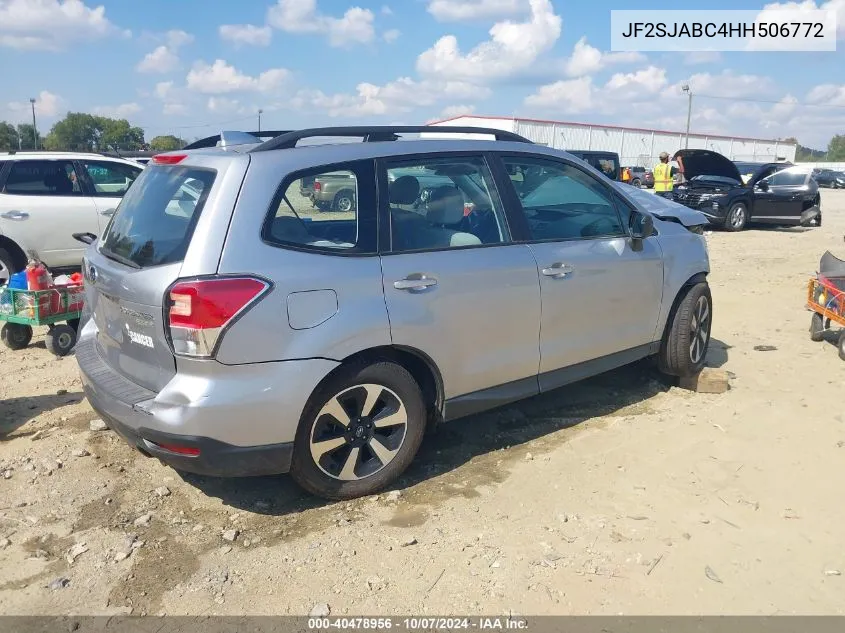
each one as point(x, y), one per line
point(697, 278)
point(17, 253)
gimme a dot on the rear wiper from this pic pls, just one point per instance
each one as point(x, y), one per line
point(120, 259)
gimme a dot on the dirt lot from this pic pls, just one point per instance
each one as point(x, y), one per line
point(617, 495)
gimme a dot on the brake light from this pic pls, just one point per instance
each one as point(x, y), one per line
point(168, 159)
point(199, 311)
point(188, 451)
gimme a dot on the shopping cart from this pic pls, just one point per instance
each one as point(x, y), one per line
point(58, 308)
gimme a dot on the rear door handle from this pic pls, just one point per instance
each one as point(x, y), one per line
point(108, 212)
point(15, 215)
point(558, 270)
point(415, 282)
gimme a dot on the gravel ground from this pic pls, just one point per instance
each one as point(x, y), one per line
point(620, 494)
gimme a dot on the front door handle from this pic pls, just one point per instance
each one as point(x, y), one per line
point(558, 270)
point(108, 212)
point(415, 282)
point(15, 215)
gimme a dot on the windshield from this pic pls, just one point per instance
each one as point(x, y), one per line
point(155, 220)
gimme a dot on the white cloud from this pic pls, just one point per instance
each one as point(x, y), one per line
point(248, 34)
point(514, 46)
point(301, 16)
point(174, 109)
point(223, 105)
point(450, 112)
point(702, 57)
point(51, 25)
point(163, 89)
point(827, 95)
point(46, 104)
point(402, 95)
point(586, 59)
point(572, 95)
point(122, 111)
point(222, 78)
point(391, 36)
point(466, 10)
point(770, 11)
point(164, 59)
point(160, 60)
point(636, 85)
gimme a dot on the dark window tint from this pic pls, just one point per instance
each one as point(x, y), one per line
point(331, 209)
point(42, 178)
point(561, 202)
point(787, 177)
point(155, 220)
point(110, 179)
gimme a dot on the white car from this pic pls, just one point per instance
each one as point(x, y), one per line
point(46, 197)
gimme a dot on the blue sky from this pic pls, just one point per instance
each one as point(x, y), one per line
point(189, 67)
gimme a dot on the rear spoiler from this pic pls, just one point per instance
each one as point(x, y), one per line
point(232, 139)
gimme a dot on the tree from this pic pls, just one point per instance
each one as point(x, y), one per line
point(81, 132)
point(118, 134)
point(8, 137)
point(25, 134)
point(836, 148)
point(166, 143)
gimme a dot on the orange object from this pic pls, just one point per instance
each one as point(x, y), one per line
point(37, 276)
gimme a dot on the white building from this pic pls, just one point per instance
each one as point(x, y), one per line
point(635, 146)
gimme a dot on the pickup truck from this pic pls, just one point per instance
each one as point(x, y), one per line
point(331, 192)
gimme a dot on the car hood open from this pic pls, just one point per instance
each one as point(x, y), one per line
point(704, 162)
point(661, 207)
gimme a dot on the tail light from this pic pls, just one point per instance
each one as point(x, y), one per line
point(199, 311)
point(318, 185)
point(168, 159)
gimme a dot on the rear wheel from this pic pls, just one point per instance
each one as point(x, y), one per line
point(344, 201)
point(16, 336)
point(816, 327)
point(737, 217)
point(359, 431)
point(687, 336)
point(841, 344)
point(7, 266)
point(61, 339)
point(637, 183)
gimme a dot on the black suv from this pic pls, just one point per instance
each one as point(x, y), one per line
point(733, 194)
point(606, 162)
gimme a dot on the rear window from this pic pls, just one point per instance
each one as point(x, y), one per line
point(155, 220)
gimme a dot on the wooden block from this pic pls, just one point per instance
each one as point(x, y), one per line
point(708, 380)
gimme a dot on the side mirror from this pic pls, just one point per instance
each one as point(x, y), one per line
point(642, 226)
point(762, 185)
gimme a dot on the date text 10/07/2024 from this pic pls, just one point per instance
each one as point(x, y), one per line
point(419, 624)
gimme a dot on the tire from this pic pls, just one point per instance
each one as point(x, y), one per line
point(636, 182)
point(840, 343)
point(7, 266)
point(332, 473)
point(344, 201)
point(737, 217)
point(16, 336)
point(683, 349)
point(816, 327)
point(61, 339)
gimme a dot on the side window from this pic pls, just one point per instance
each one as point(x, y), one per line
point(561, 202)
point(440, 203)
point(786, 177)
point(42, 178)
point(330, 208)
point(110, 179)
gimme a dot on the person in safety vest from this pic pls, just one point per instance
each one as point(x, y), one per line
point(663, 176)
point(626, 175)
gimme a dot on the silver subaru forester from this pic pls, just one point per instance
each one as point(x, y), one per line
point(234, 329)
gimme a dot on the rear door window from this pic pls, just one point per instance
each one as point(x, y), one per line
point(42, 178)
point(155, 220)
point(110, 179)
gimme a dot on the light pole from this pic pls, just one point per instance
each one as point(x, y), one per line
point(259, 118)
point(34, 128)
point(686, 89)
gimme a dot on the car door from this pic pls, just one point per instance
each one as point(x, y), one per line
point(457, 289)
point(42, 205)
point(780, 200)
point(107, 182)
point(600, 290)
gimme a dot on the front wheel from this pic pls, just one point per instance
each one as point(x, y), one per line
point(637, 183)
point(687, 335)
point(61, 339)
point(816, 327)
point(737, 217)
point(16, 336)
point(840, 343)
point(359, 431)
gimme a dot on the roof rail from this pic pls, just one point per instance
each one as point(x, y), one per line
point(375, 133)
point(211, 141)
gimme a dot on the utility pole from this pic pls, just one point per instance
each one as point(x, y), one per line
point(259, 118)
point(34, 128)
point(686, 89)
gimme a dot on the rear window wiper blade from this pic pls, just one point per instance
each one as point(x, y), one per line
point(120, 259)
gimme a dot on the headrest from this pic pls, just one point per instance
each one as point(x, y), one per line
point(445, 206)
point(404, 190)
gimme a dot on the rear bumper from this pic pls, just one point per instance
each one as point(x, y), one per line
point(239, 420)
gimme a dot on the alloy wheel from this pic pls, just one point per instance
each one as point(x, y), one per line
point(358, 432)
point(699, 330)
point(738, 216)
point(344, 204)
point(5, 273)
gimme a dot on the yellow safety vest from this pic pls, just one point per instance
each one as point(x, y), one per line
point(663, 177)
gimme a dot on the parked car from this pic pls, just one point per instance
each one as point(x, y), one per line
point(242, 339)
point(772, 195)
point(606, 162)
point(334, 192)
point(641, 177)
point(45, 197)
point(758, 171)
point(829, 178)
